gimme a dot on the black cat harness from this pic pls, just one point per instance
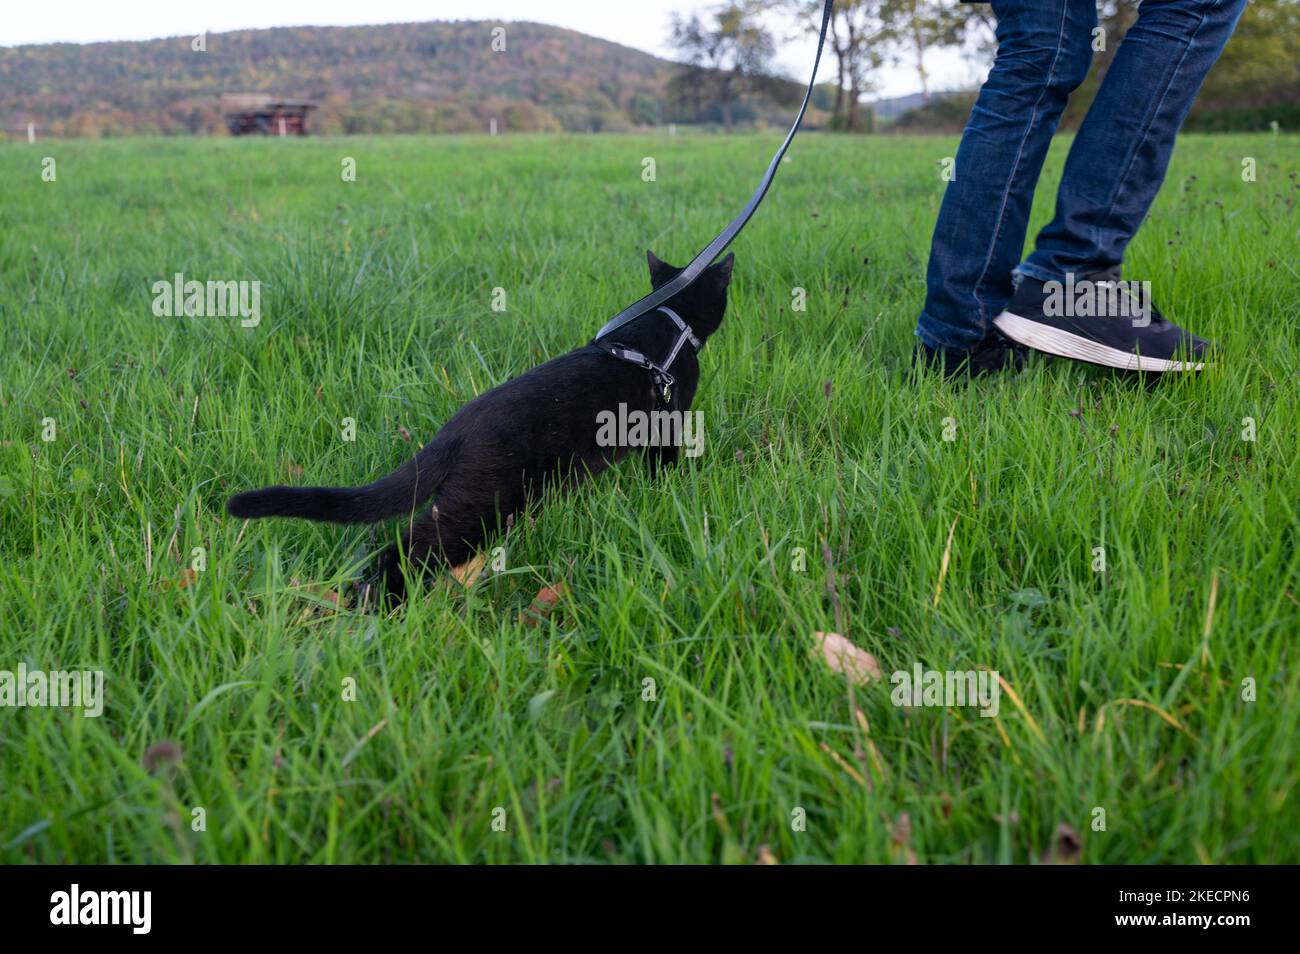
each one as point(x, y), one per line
point(654, 301)
point(663, 381)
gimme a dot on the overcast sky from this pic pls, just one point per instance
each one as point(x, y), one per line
point(639, 23)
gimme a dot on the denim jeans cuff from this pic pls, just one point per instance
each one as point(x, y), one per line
point(1036, 272)
point(928, 337)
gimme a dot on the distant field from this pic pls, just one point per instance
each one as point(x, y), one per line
point(376, 306)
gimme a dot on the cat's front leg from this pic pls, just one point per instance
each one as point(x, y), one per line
point(664, 455)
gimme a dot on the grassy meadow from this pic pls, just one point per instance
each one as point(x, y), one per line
point(669, 707)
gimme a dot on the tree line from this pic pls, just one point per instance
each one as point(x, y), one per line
point(728, 50)
point(442, 77)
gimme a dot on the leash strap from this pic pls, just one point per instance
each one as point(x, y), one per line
point(724, 238)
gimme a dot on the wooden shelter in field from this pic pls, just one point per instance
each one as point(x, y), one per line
point(261, 113)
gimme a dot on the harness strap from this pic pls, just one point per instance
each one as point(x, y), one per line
point(684, 336)
point(663, 380)
point(724, 238)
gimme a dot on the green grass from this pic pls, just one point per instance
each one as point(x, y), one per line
point(376, 306)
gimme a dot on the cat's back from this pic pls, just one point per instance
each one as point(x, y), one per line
point(561, 385)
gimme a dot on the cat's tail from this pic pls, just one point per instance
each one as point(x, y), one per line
point(401, 492)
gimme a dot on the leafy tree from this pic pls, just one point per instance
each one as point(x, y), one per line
point(727, 52)
point(859, 35)
point(914, 27)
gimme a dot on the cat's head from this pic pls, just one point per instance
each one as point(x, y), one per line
point(704, 301)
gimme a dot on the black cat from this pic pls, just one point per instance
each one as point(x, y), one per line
point(506, 446)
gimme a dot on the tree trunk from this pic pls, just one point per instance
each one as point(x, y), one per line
point(920, 63)
point(851, 119)
point(837, 115)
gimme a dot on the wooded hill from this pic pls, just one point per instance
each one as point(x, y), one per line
point(411, 77)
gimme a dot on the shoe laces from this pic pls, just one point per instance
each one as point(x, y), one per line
point(1112, 280)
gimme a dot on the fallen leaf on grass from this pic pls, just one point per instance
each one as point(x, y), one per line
point(186, 579)
point(542, 604)
point(318, 597)
point(843, 657)
point(719, 816)
point(901, 836)
point(469, 572)
point(945, 805)
point(160, 753)
point(1065, 848)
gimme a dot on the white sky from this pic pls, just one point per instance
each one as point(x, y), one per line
point(638, 23)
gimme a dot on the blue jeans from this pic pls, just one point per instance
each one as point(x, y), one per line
point(1112, 174)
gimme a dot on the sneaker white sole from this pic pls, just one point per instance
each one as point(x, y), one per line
point(1066, 345)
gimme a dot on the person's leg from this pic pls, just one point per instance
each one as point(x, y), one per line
point(1112, 174)
point(1044, 51)
point(1119, 157)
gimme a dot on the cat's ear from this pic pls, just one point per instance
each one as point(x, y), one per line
point(723, 268)
point(660, 271)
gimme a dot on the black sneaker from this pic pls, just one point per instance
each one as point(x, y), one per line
point(1102, 320)
point(993, 353)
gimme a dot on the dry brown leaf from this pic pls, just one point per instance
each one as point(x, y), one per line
point(719, 816)
point(1066, 847)
point(161, 753)
point(186, 579)
point(542, 604)
point(901, 835)
point(321, 593)
point(843, 657)
point(469, 572)
point(945, 805)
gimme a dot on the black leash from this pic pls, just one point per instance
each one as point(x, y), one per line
point(700, 262)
